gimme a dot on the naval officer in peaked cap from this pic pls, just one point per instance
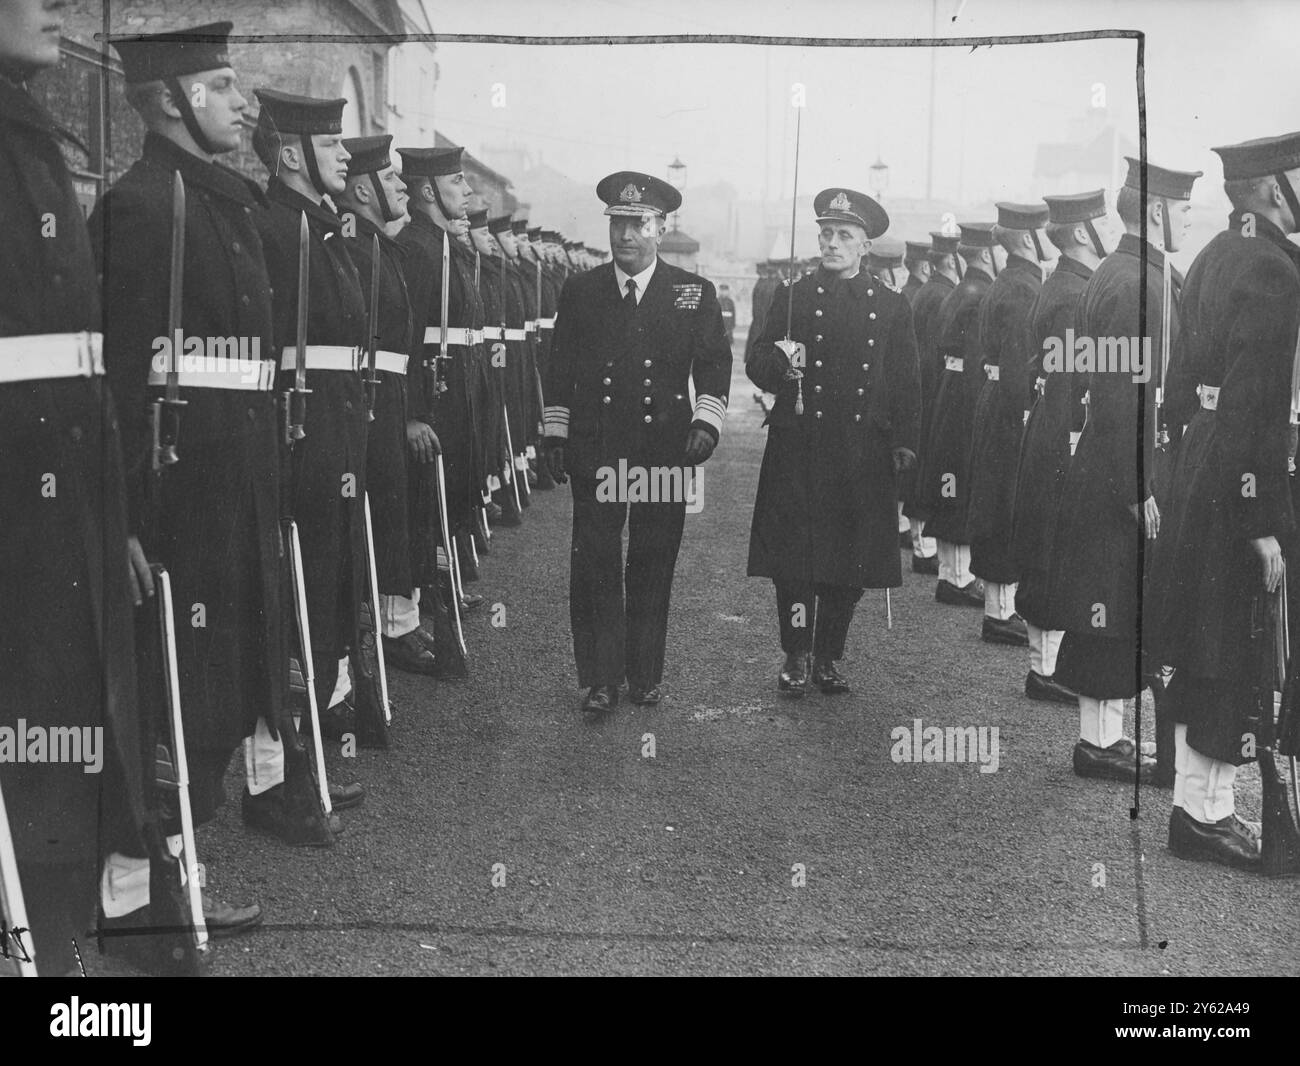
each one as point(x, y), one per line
point(825, 517)
point(629, 336)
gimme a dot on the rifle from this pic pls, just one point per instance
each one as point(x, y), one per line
point(440, 474)
point(180, 760)
point(1280, 837)
point(13, 908)
point(372, 331)
point(293, 552)
point(371, 732)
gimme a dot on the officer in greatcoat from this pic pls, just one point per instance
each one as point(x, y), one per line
point(843, 427)
point(629, 337)
point(1229, 525)
point(1077, 225)
point(212, 517)
point(66, 648)
point(943, 272)
point(999, 417)
point(1108, 502)
point(299, 140)
point(944, 481)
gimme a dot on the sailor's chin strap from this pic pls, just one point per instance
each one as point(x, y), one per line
point(191, 120)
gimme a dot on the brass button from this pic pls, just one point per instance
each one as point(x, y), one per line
point(606, 400)
point(607, 381)
point(244, 299)
point(236, 247)
point(648, 418)
point(817, 413)
point(871, 342)
point(817, 388)
point(820, 290)
point(857, 418)
point(648, 363)
point(646, 401)
point(862, 392)
point(647, 383)
point(865, 365)
point(818, 363)
point(872, 315)
point(818, 312)
point(871, 292)
point(818, 337)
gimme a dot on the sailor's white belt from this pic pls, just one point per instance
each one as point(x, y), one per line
point(992, 372)
point(492, 333)
point(257, 377)
point(38, 356)
point(530, 326)
point(546, 323)
point(951, 362)
point(515, 334)
point(390, 362)
point(1209, 397)
point(323, 357)
point(455, 335)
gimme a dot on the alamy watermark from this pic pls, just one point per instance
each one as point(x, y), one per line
point(959, 744)
point(653, 484)
point(53, 744)
point(208, 355)
point(1098, 355)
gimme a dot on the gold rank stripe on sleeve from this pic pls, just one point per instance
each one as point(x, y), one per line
point(711, 410)
point(555, 422)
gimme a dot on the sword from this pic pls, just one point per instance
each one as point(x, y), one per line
point(166, 413)
point(299, 582)
point(445, 304)
point(374, 604)
point(794, 373)
point(295, 399)
point(14, 928)
point(1166, 314)
point(372, 332)
point(180, 760)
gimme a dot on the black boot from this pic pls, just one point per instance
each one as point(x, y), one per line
point(827, 678)
point(794, 674)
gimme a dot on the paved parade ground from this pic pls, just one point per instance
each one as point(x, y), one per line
point(671, 840)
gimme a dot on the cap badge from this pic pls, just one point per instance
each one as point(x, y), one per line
point(840, 203)
point(630, 194)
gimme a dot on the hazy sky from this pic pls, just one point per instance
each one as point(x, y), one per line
point(1216, 72)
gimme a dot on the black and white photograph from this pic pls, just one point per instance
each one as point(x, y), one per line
point(651, 489)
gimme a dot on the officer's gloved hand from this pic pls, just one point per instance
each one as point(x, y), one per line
point(904, 460)
point(795, 353)
point(699, 445)
point(422, 440)
point(555, 458)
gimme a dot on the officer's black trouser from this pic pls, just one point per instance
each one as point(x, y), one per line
point(60, 900)
point(614, 639)
point(827, 612)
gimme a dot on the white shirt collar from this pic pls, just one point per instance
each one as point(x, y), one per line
point(642, 280)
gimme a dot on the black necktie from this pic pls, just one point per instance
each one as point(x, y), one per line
point(629, 301)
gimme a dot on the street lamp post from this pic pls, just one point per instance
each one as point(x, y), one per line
point(878, 178)
point(677, 179)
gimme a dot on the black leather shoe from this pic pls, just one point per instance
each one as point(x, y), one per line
point(794, 674)
point(927, 565)
point(344, 796)
point(494, 512)
point(471, 601)
point(827, 678)
point(468, 568)
point(958, 596)
point(408, 652)
point(601, 699)
point(1005, 631)
point(1048, 689)
point(1228, 841)
point(1112, 764)
point(544, 479)
point(644, 697)
point(297, 824)
point(905, 539)
point(224, 920)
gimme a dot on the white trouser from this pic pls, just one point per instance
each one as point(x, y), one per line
point(342, 684)
point(954, 563)
point(1203, 787)
point(1043, 647)
point(1101, 722)
point(903, 524)
point(923, 547)
point(263, 760)
point(124, 883)
point(401, 616)
point(999, 600)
